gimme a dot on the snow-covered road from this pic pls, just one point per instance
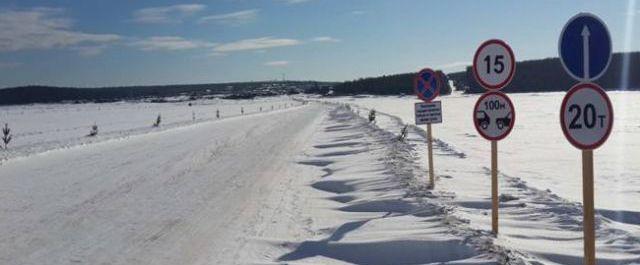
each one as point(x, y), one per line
point(199, 194)
point(311, 184)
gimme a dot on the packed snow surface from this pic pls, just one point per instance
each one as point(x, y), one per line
point(305, 184)
point(540, 174)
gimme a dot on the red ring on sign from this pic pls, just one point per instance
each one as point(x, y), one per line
point(513, 65)
point(563, 108)
point(418, 77)
point(513, 110)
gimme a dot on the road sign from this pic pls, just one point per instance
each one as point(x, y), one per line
point(494, 115)
point(494, 64)
point(585, 47)
point(586, 116)
point(428, 112)
point(427, 84)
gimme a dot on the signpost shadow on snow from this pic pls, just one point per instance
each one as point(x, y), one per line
point(399, 252)
point(362, 196)
point(547, 226)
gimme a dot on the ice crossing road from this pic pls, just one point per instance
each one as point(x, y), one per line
point(200, 194)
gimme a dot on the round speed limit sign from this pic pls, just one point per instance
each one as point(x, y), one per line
point(586, 116)
point(494, 64)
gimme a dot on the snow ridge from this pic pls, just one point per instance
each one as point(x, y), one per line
point(397, 220)
point(520, 203)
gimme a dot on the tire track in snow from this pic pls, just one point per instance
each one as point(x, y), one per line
point(193, 195)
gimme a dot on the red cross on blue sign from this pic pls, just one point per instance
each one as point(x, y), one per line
point(427, 85)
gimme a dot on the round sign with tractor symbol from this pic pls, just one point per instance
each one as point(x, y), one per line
point(494, 116)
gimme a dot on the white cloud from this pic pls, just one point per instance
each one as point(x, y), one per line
point(454, 65)
point(325, 39)
point(358, 12)
point(277, 63)
point(295, 1)
point(235, 18)
point(166, 14)
point(255, 44)
point(90, 50)
point(170, 43)
point(216, 54)
point(9, 65)
point(46, 28)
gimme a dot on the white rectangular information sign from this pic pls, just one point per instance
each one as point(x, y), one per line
point(428, 113)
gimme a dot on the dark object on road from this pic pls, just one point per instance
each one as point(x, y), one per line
point(93, 131)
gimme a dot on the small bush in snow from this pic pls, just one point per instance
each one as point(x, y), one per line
point(6, 135)
point(403, 133)
point(93, 131)
point(372, 115)
point(217, 114)
point(193, 116)
point(158, 120)
point(242, 110)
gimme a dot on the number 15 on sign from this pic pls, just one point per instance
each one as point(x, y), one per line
point(494, 64)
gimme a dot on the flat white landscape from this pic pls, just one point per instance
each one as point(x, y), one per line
point(540, 173)
point(306, 184)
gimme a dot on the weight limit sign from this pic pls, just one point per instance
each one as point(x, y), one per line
point(494, 116)
point(586, 116)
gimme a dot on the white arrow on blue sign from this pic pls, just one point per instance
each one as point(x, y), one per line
point(585, 47)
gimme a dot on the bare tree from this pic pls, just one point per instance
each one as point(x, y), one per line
point(6, 135)
point(93, 131)
point(372, 115)
point(403, 133)
point(158, 120)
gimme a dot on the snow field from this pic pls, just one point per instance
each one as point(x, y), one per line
point(305, 185)
point(41, 127)
point(543, 225)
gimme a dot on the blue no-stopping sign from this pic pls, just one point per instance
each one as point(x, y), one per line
point(427, 85)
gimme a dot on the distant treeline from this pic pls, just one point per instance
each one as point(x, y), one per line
point(400, 84)
point(48, 94)
point(531, 76)
point(548, 75)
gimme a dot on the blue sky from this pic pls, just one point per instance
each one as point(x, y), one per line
point(110, 42)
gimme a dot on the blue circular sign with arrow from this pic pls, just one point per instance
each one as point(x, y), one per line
point(585, 47)
point(427, 85)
